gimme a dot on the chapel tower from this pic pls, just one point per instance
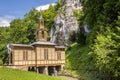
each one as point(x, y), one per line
point(41, 32)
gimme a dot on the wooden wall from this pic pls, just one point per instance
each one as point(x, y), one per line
point(60, 55)
point(52, 59)
point(40, 55)
point(23, 56)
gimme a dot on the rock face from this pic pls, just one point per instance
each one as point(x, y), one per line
point(65, 22)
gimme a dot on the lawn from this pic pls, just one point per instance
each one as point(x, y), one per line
point(13, 74)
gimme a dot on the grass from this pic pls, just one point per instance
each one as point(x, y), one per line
point(13, 74)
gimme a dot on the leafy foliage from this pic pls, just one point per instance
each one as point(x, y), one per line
point(103, 19)
point(49, 16)
point(4, 40)
point(78, 59)
point(72, 37)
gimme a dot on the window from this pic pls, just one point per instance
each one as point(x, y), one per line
point(41, 23)
point(59, 55)
point(45, 54)
point(25, 55)
point(42, 34)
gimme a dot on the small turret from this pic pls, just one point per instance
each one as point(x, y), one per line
point(41, 32)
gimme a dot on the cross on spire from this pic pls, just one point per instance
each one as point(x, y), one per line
point(41, 32)
point(41, 14)
point(41, 20)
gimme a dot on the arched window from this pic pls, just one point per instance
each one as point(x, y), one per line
point(41, 23)
point(25, 55)
point(42, 34)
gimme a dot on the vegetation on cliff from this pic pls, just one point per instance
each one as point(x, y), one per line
point(102, 43)
point(79, 62)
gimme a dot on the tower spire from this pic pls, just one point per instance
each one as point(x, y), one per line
point(40, 14)
point(41, 20)
point(41, 32)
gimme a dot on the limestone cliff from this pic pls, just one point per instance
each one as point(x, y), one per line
point(65, 22)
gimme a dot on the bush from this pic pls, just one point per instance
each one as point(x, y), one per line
point(1, 62)
point(72, 37)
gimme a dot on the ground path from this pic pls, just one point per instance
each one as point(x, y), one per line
point(68, 78)
point(1, 66)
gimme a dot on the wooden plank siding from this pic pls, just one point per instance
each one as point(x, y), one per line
point(51, 56)
point(23, 56)
point(40, 55)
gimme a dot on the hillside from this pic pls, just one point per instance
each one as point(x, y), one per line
point(79, 62)
point(12, 74)
point(98, 52)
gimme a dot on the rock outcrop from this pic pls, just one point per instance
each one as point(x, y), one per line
point(65, 22)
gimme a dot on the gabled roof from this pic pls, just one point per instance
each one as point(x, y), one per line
point(60, 47)
point(43, 43)
point(21, 45)
point(39, 43)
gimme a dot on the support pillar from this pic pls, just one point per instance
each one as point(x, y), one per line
point(37, 69)
point(45, 70)
point(55, 71)
point(62, 67)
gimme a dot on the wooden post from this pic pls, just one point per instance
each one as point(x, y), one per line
point(55, 71)
point(10, 58)
point(35, 56)
point(45, 70)
point(37, 69)
point(62, 67)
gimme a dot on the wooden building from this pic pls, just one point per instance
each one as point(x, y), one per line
point(42, 56)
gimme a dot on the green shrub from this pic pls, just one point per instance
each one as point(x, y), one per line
point(79, 62)
point(1, 62)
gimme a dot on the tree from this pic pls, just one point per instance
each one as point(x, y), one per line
point(102, 17)
point(4, 40)
point(18, 32)
point(31, 22)
point(49, 16)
